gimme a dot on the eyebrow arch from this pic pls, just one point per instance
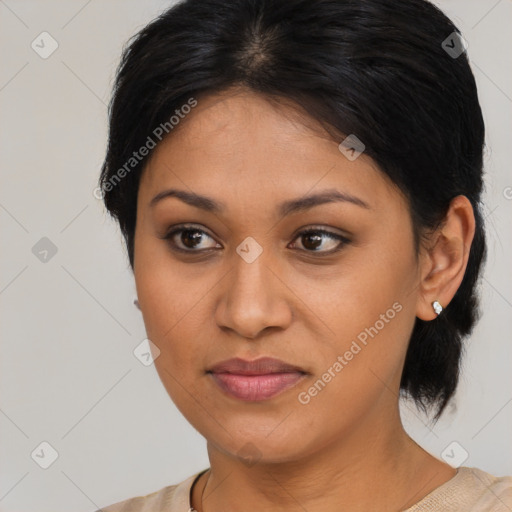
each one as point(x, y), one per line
point(326, 196)
point(191, 198)
point(284, 209)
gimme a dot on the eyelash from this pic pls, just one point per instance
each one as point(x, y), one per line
point(181, 229)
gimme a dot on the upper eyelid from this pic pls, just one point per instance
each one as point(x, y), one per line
point(313, 228)
point(184, 227)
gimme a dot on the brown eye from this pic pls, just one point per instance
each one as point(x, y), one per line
point(190, 239)
point(312, 241)
point(320, 241)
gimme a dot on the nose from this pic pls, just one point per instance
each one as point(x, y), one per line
point(254, 298)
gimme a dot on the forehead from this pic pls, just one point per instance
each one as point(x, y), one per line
point(239, 143)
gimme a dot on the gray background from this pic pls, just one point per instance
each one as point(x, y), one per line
point(68, 373)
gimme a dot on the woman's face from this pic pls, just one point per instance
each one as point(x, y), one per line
point(337, 304)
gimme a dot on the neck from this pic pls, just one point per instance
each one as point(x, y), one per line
point(375, 467)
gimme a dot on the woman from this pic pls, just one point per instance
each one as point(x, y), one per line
point(298, 183)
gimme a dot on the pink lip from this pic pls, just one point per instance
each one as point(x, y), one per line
point(256, 380)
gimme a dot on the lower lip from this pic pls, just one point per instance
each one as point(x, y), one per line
point(256, 387)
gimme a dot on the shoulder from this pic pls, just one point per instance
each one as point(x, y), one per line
point(494, 490)
point(470, 489)
point(153, 502)
point(172, 498)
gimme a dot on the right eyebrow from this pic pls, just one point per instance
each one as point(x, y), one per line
point(191, 198)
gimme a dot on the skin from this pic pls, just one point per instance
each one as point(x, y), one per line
point(347, 447)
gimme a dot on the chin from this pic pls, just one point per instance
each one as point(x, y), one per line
point(265, 446)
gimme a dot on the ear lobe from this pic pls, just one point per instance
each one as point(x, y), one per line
point(444, 261)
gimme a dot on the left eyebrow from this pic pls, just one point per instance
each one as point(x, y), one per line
point(326, 196)
point(283, 209)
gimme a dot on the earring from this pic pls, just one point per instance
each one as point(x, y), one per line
point(136, 302)
point(437, 307)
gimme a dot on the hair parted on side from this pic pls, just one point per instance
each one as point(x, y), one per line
point(374, 68)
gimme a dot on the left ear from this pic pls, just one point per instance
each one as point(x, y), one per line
point(444, 261)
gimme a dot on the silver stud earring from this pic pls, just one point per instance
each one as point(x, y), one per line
point(437, 307)
point(136, 302)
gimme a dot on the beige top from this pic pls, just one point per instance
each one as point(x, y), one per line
point(470, 490)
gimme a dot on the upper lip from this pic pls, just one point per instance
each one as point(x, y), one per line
point(261, 366)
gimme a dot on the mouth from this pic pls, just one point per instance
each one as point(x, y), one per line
point(256, 380)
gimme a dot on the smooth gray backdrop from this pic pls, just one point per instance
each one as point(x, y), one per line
point(68, 326)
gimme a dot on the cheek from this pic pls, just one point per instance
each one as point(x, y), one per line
point(354, 297)
point(164, 292)
point(174, 318)
point(360, 364)
point(174, 310)
point(370, 316)
point(177, 310)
